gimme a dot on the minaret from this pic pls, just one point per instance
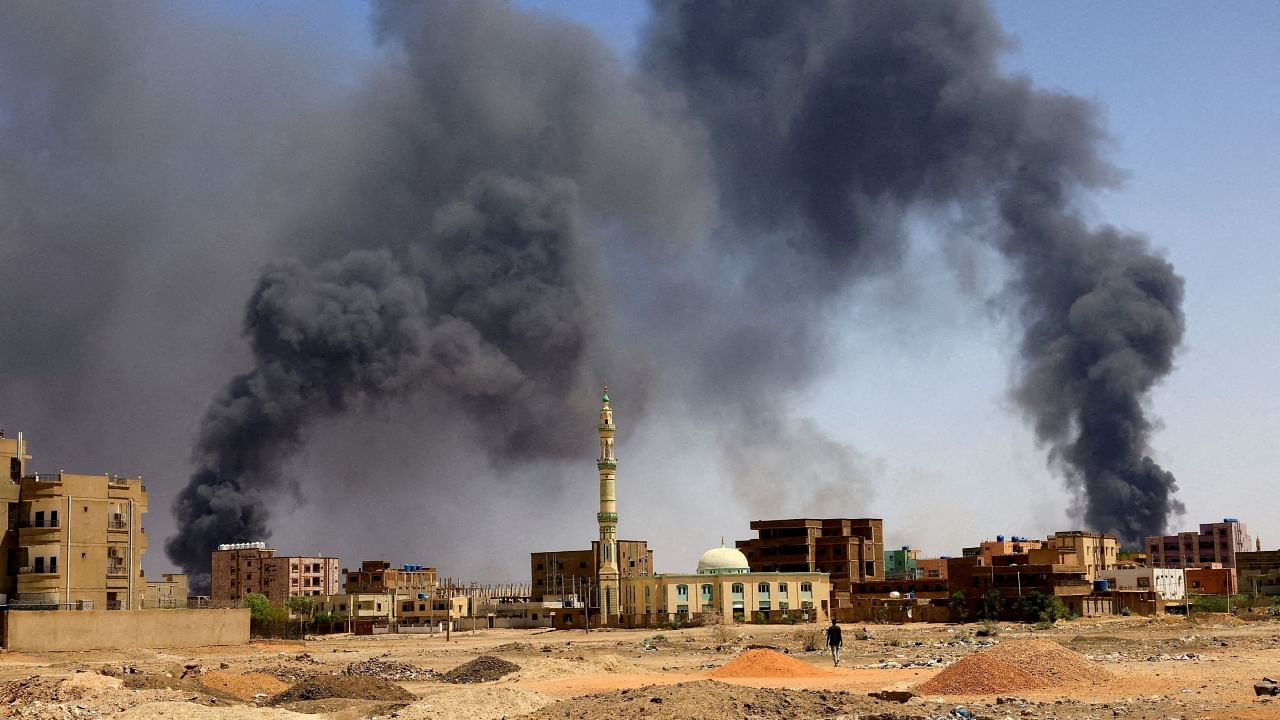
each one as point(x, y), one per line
point(608, 515)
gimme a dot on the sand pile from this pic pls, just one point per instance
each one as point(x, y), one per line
point(246, 686)
point(323, 687)
point(711, 700)
point(761, 662)
point(1015, 665)
point(485, 668)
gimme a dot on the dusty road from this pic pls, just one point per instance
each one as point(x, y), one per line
point(1163, 668)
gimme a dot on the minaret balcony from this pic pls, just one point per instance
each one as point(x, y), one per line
point(607, 464)
point(610, 428)
point(607, 517)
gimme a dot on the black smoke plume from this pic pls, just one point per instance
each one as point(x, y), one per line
point(830, 121)
point(490, 213)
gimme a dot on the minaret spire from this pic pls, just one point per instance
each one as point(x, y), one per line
point(607, 464)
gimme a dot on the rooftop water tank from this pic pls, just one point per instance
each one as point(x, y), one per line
point(1101, 586)
point(999, 538)
point(1230, 520)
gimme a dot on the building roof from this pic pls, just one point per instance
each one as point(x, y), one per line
point(723, 560)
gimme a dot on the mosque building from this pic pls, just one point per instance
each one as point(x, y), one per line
point(724, 589)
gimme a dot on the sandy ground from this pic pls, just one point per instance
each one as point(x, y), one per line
point(1164, 668)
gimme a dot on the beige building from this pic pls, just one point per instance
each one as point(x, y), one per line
point(238, 569)
point(13, 460)
point(358, 606)
point(1099, 553)
point(80, 541)
point(168, 592)
point(725, 588)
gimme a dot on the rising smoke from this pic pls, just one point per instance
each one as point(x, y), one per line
point(454, 206)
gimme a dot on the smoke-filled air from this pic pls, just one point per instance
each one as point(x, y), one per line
point(489, 213)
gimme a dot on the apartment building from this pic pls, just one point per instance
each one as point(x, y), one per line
point(1214, 543)
point(238, 569)
point(560, 573)
point(13, 462)
point(1259, 571)
point(902, 564)
point(850, 550)
point(1098, 553)
point(377, 576)
point(80, 541)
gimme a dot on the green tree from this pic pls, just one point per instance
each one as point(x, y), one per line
point(258, 604)
point(302, 606)
point(990, 604)
point(959, 605)
point(1039, 607)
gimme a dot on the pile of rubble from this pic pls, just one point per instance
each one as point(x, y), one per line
point(485, 668)
point(389, 670)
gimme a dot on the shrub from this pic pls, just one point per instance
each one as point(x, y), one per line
point(723, 635)
point(990, 628)
point(1041, 608)
point(810, 637)
point(959, 605)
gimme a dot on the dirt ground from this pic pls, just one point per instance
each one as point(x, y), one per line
point(1155, 669)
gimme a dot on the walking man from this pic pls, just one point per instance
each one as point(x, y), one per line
point(834, 641)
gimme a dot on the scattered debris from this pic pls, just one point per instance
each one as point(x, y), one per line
point(389, 670)
point(485, 668)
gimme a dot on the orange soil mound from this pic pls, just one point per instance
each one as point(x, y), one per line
point(1015, 665)
point(244, 686)
point(766, 663)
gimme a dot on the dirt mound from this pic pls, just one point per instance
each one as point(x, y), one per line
point(1015, 665)
point(389, 670)
point(711, 700)
point(485, 668)
point(323, 687)
point(761, 662)
point(246, 686)
point(514, 647)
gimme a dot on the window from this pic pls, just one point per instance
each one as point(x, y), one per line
point(539, 566)
point(806, 587)
point(738, 589)
point(706, 593)
point(53, 518)
point(763, 588)
point(582, 565)
point(782, 588)
point(682, 592)
point(39, 518)
point(53, 564)
point(682, 609)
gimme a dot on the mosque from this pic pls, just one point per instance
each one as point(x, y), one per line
point(723, 589)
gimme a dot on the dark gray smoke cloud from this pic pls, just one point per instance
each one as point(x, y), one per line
point(489, 214)
point(830, 121)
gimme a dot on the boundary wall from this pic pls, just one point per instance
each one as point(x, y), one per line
point(54, 630)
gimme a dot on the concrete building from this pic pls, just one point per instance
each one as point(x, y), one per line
point(238, 569)
point(1168, 583)
point(725, 588)
point(377, 576)
point(594, 575)
point(69, 541)
point(1258, 572)
point(932, 568)
point(901, 564)
point(1002, 545)
point(1214, 543)
point(1213, 580)
point(80, 541)
point(850, 551)
point(1098, 553)
point(168, 592)
point(358, 606)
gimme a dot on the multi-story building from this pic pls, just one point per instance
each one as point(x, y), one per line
point(80, 541)
point(1012, 545)
point(1098, 553)
point(1259, 571)
point(378, 576)
point(70, 541)
point(932, 568)
point(1214, 543)
point(1212, 580)
point(238, 569)
point(851, 551)
point(1169, 583)
point(901, 564)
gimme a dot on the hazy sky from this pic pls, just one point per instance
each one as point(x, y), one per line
point(1190, 96)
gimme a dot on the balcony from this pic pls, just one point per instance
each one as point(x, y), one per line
point(117, 570)
point(39, 524)
point(38, 570)
point(51, 478)
point(117, 523)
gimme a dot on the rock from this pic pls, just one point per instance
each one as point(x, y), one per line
point(898, 696)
